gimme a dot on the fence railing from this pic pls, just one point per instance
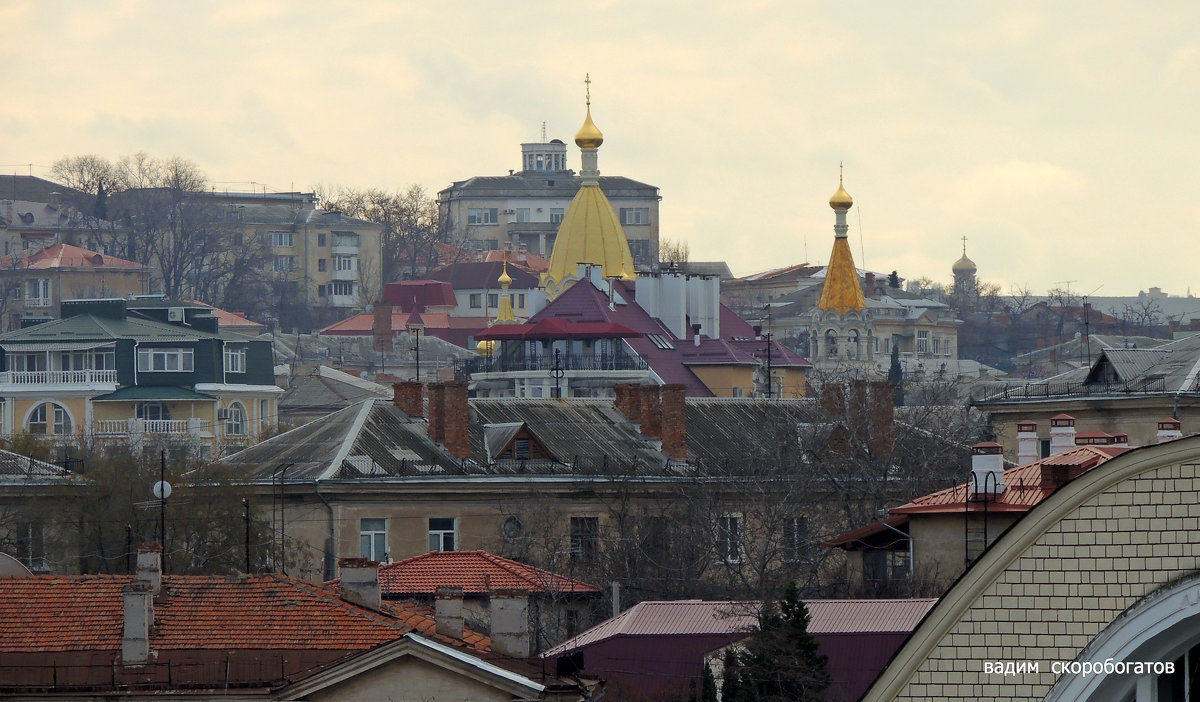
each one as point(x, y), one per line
point(119, 427)
point(1025, 391)
point(464, 367)
point(58, 377)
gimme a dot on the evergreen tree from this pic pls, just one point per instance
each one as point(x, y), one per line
point(894, 280)
point(708, 685)
point(781, 662)
point(731, 687)
point(896, 378)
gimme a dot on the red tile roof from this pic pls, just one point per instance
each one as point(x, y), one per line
point(1022, 485)
point(476, 572)
point(455, 330)
point(67, 256)
point(264, 612)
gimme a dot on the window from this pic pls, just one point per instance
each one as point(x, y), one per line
point(831, 350)
point(881, 566)
point(556, 215)
point(283, 239)
point(165, 359)
point(795, 539)
point(852, 344)
point(37, 292)
point(28, 361)
point(372, 539)
point(476, 300)
point(341, 287)
point(441, 533)
point(321, 263)
point(635, 215)
point(152, 411)
point(264, 415)
point(31, 545)
point(522, 214)
point(284, 264)
point(322, 240)
point(320, 291)
point(519, 303)
point(660, 341)
point(345, 239)
point(923, 341)
point(345, 263)
point(493, 300)
point(235, 359)
point(49, 418)
point(521, 449)
point(482, 215)
point(729, 538)
point(640, 250)
point(585, 538)
point(235, 420)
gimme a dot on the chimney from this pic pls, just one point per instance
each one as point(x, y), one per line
point(448, 611)
point(1062, 433)
point(696, 334)
point(651, 411)
point(674, 421)
point(1169, 429)
point(360, 582)
point(437, 412)
point(987, 468)
point(870, 279)
point(628, 401)
point(456, 417)
point(138, 599)
point(149, 565)
point(407, 396)
point(509, 611)
point(1027, 442)
point(382, 326)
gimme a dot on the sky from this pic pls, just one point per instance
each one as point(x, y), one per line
point(1060, 138)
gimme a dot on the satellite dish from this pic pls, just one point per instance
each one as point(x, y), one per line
point(161, 489)
point(11, 566)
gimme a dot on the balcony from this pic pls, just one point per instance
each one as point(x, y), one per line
point(68, 377)
point(159, 427)
point(345, 275)
point(465, 367)
point(38, 302)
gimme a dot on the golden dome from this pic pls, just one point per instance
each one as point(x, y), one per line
point(486, 347)
point(505, 279)
point(589, 136)
point(964, 264)
point(590, 233)
point(841, 200)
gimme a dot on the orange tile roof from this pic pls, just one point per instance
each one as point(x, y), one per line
point(1022, 485)
point(476, 572)
point(262, 612)
point(67, 256)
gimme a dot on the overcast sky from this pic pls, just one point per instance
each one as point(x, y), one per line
point(1060, 138)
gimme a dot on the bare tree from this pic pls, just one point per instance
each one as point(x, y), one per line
point(410, 220)
point(674, 251)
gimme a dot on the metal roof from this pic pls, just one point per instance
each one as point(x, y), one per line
point(866, 616)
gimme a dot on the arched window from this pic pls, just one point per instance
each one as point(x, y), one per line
point(831, 350)
point(235, 420)
point(852, 344)
point(49, 418)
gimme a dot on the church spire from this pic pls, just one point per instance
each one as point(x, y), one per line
point(842, 291)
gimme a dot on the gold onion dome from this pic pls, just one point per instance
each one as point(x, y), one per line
point(841, 200)
point(589, 136)
point(505, 279)
point(964, 264)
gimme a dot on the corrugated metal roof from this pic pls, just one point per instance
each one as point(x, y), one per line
point(720, 429)
point(864, 616)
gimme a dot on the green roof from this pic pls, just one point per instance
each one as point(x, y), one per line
point(89, 327)
point(153, 392)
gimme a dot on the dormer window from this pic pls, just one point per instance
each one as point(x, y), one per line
point(178, 360)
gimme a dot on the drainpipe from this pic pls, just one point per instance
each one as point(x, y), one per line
point(327, 556)
point(911, 564)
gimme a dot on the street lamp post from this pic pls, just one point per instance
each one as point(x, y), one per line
point(416, 332)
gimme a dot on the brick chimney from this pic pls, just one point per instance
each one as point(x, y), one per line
point(1027, 442)
point(651, 411)
point(628, 401)
point(360, 582)
point(149, 565)
point(457, 417)
point(138, 601)
point(407, 396)
point(448, 611)
point(1169, 429)
point(1062, 433)
point(509, 611)
point(674, 421)
point(437, 412)
point(987, 468)
point(382, 326)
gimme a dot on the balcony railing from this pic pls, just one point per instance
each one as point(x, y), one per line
point(38, 302)
point(176, 427)
point(997, 392)
point(463, 368)
point(68, 377)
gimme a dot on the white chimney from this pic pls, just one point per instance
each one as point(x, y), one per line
point(509, 611)
point(448, 611)
point(1169, 429)
point(987, 468)
point(1062, 433)
point(149, 565)
point(360, 582)
point(138, 599)
point(1027, 443)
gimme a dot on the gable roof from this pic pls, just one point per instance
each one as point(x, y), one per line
point(482, 275)
point(67, 256)
point(476, 572)
point(331, 389)
point(92, 327)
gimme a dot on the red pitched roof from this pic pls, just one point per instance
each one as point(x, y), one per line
point(67, 256)
point(554, 328)
point(476, 572)
point(264, 612)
